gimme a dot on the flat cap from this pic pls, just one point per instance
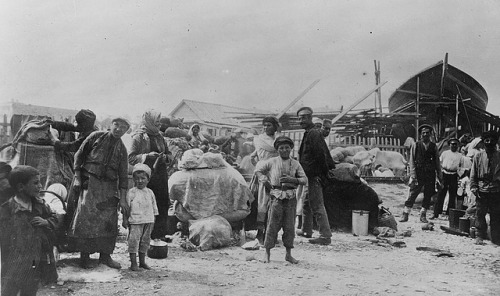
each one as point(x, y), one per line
point(304, 110)
point(282, 140)
point(425, 126)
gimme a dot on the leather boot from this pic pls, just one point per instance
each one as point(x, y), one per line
point(106, 260)
point(404, 218)
point(142, 261)
point(85, 260)
point(133, 262)
point(299, 221)
point(423, 217)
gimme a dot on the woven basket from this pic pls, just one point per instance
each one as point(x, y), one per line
point(386, 219)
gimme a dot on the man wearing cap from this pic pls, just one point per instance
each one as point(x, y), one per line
point(281, 175)
point(318, 123)
point(101, 181)
point(264, 150)
point(424, 166)
point(485, 184)
point(316, 161)
point(85, 120)
point(451, 162)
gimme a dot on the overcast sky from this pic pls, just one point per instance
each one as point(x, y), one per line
point(121, 57)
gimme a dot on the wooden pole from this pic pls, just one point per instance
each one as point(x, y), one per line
point(297, 98)
point(417, 109)
point(338, 117)
point(456, 117)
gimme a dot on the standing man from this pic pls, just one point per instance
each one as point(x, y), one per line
point(424, 166)
point(451, 162)
point(316, 161)
point(325, 131)
point(485, 184)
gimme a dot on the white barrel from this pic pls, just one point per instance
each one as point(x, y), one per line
point(360, 222)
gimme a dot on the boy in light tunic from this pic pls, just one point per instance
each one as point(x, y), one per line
point(281, 175)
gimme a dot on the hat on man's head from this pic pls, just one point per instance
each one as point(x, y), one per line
point(490, 134)
point(425, 126)
point(304, 110)
point(316, 120)
point(453, 140)
point(140, 167)
point(282, 140)
point(121, 120)
point(272, 120)
point(85, 116)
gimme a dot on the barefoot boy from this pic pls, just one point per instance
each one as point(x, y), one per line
point(143, 209)
point(281, 175)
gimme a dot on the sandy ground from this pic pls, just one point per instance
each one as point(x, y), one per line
point(349, 266)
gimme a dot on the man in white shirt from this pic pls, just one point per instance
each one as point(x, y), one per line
point(451, 162)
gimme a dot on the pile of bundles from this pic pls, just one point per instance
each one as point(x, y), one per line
point(344, 192)
point(31, 146)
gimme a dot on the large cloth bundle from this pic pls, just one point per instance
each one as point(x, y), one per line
point(54, 167)
point(202, 193)
point(210, 233)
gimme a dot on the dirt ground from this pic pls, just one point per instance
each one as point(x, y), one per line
point(349, 266)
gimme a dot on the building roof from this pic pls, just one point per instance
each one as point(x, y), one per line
point(35, 110)
point(215, 113)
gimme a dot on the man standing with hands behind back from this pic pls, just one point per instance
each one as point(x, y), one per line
point(316, 161)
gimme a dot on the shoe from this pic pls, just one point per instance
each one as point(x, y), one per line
point(106, 260)
point(300, 232)
point(404, 218)
point(423, 218)
point(479, 241)
point(321, 241)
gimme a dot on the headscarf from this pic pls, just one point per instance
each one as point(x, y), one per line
point(199, 137)
point(140, 167)
point(148, 122)
point(85, 117)
point(58, 189)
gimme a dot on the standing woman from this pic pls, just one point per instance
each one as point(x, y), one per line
point(264, 150)
point(149, 147)
point(101, 181)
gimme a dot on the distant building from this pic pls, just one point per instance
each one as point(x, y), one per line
point(214, 119)
point(16, 114)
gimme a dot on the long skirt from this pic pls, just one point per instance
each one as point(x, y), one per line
point(94, 226)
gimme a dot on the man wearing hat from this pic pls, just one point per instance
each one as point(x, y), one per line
point(281, 175)
point(316, 161)
point(424, 167)
point(485, 184)
point(451, 162)
point(318, 122)
point(100, 183)
point(85, 120)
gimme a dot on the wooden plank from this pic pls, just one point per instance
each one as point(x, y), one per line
point(303, 93)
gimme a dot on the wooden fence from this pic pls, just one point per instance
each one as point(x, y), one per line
point(383, 142)
point(5, 132)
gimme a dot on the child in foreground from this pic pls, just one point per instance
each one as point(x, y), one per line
point(143, 209)
point(281, 175)
point(26, 235)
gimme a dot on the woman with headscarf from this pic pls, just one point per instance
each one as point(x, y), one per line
point(264, 150)
point(196, 137)
point(149, 147)
point(99, 188)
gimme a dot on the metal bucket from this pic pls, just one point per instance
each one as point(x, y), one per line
point(455, 218)
point(360, 222)
point(464, 224)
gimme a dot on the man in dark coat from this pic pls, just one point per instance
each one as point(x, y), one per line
point(316, 161)
point(424, 167)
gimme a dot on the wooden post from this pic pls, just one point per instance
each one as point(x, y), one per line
point(417, 108)
point(456, 118)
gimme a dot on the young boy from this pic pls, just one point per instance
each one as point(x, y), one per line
point(281, 175)
point(142, 203)
point(26, 235)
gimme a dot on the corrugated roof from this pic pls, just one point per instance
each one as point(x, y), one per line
point(216, 113)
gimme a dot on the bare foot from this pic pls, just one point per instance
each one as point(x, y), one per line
point(290, 259)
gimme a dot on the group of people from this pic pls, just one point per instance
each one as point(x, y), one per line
point(483, 169)
point(284, 187)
